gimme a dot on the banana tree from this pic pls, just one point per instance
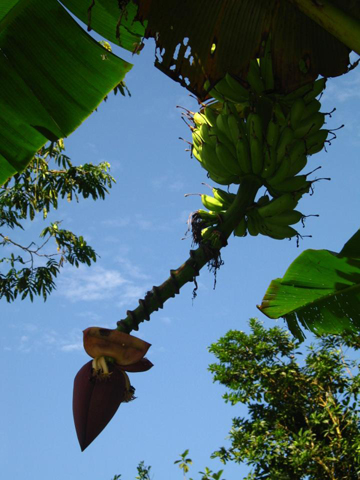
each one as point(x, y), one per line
point(53, 80)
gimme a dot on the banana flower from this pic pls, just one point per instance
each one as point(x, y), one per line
point(102, 384)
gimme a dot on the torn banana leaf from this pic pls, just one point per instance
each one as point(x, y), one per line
point(52, 77)
point(320, 291)
point(108, 20)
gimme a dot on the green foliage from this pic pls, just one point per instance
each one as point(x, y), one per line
point(184, 462)
point(303, 414)
point(320, 291)
point(49, 178)
point(143, 472)
point(41, 100)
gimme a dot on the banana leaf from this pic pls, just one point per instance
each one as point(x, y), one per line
point(186, 33)
point(320, 291)
point(52, 77)
point(108, 20)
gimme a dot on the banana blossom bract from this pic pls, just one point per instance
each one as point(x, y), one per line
point(102, 384)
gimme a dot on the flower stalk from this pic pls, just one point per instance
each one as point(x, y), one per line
point(190, 269)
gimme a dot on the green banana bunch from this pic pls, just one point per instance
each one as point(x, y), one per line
point(274, 218)
point(220, 202)
point(229, 90)
point(241, 228)
point(253, 131)
point(208, 218)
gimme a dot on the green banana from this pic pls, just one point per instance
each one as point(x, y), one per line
point(297, 112)
point(281, 173)
point(214, 93)
point(199, 119)
point(278, 205)
point(243, 154)
point(318, 86)
point(310, 125)
point(222, 137)
point(252, 226)
point(240, 91)
point(205, 134)
point(197, 140)
point(279, 232)
point(208, 217)
point(227, 159)
point(227, 93)
point(270, 164)
point(279, 115)
point(233, 125)
point(297, 149)
point(315, 142)
point(256, 153)
point(272, 133)
point(292, 184)
point(285, 142)
point(222, 125)
point(297, 165)
point(240, 229)
point(221, 180)
point(254, 126)
point(289, 217)
point(254, 77)
point(210, 161)
point(298, 93)
point(298, 159)
point(266, 67)
point(311, 108)
point(263, 200)
point(212, 204)
point(210, 115)
point(224, 197)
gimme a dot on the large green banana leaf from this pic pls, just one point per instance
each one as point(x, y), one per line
point(320, 291)
point(52, 76)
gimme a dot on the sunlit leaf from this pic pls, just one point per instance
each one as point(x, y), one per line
point(320, 291)
point(108, 20)
point(52, 76)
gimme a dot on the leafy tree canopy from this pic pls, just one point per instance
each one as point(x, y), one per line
point(303, 413)
point(31, 270)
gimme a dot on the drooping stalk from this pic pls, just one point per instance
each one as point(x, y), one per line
point(343, 26)
point(190, 269)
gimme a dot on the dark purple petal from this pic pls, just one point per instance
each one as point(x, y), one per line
point(95, 401)
point(141, 366)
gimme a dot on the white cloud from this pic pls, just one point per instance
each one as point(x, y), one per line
point(116, 222)
point(131, 293)
point(96, 283)
point(71, 347)
point(176, 186)
point(166, 320)
point(89, 315)
point(131, 269)
point(347, 88)
point(46, 339)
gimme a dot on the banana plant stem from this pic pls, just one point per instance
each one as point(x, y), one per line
point(337, 22)
point(189, 270)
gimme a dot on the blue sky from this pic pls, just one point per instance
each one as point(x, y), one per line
point(138, 232)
